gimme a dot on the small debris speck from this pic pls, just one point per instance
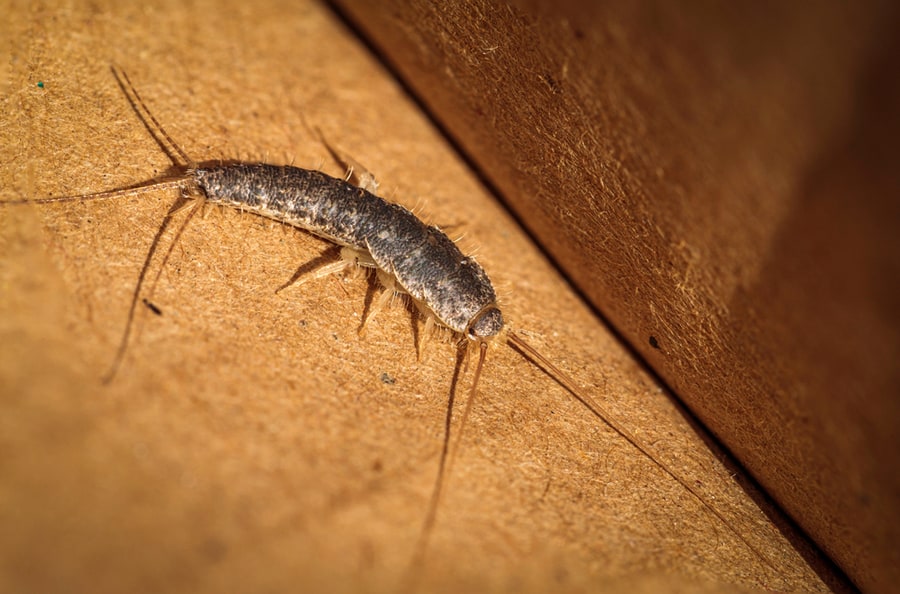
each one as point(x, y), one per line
point(152, 307)
point(387, 379)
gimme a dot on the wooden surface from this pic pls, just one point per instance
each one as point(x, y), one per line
point(253, 441)
point(721, 180)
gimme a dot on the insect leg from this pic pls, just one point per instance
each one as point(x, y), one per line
point(355, 171)
point(328, 262)
point(387, 291)
point(426, 334)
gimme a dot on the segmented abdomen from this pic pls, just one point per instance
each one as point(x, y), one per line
point(425, 262)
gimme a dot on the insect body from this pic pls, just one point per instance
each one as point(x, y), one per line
point(425, 263)
point(409, 256)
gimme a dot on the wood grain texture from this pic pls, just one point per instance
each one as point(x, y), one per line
point(253, 441)
point(720, 180)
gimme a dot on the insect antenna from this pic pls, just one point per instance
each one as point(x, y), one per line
point(135, 297)
point(156, 130)
point(529, 352)
point(447, 458)
point(482, 352)
point(160, 136)
point(181, 178)
point(171, 149)
point(180, 182)
point(159, 183)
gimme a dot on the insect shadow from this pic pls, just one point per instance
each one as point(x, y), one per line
point(408, 257)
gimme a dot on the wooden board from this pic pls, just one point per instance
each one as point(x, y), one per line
point(253, 441)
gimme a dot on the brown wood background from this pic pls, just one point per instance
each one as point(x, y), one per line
point(253, 441)
point(721, 180)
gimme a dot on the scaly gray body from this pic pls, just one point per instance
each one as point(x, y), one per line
point(423, 260)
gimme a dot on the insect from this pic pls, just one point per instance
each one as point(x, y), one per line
point(449, 289)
